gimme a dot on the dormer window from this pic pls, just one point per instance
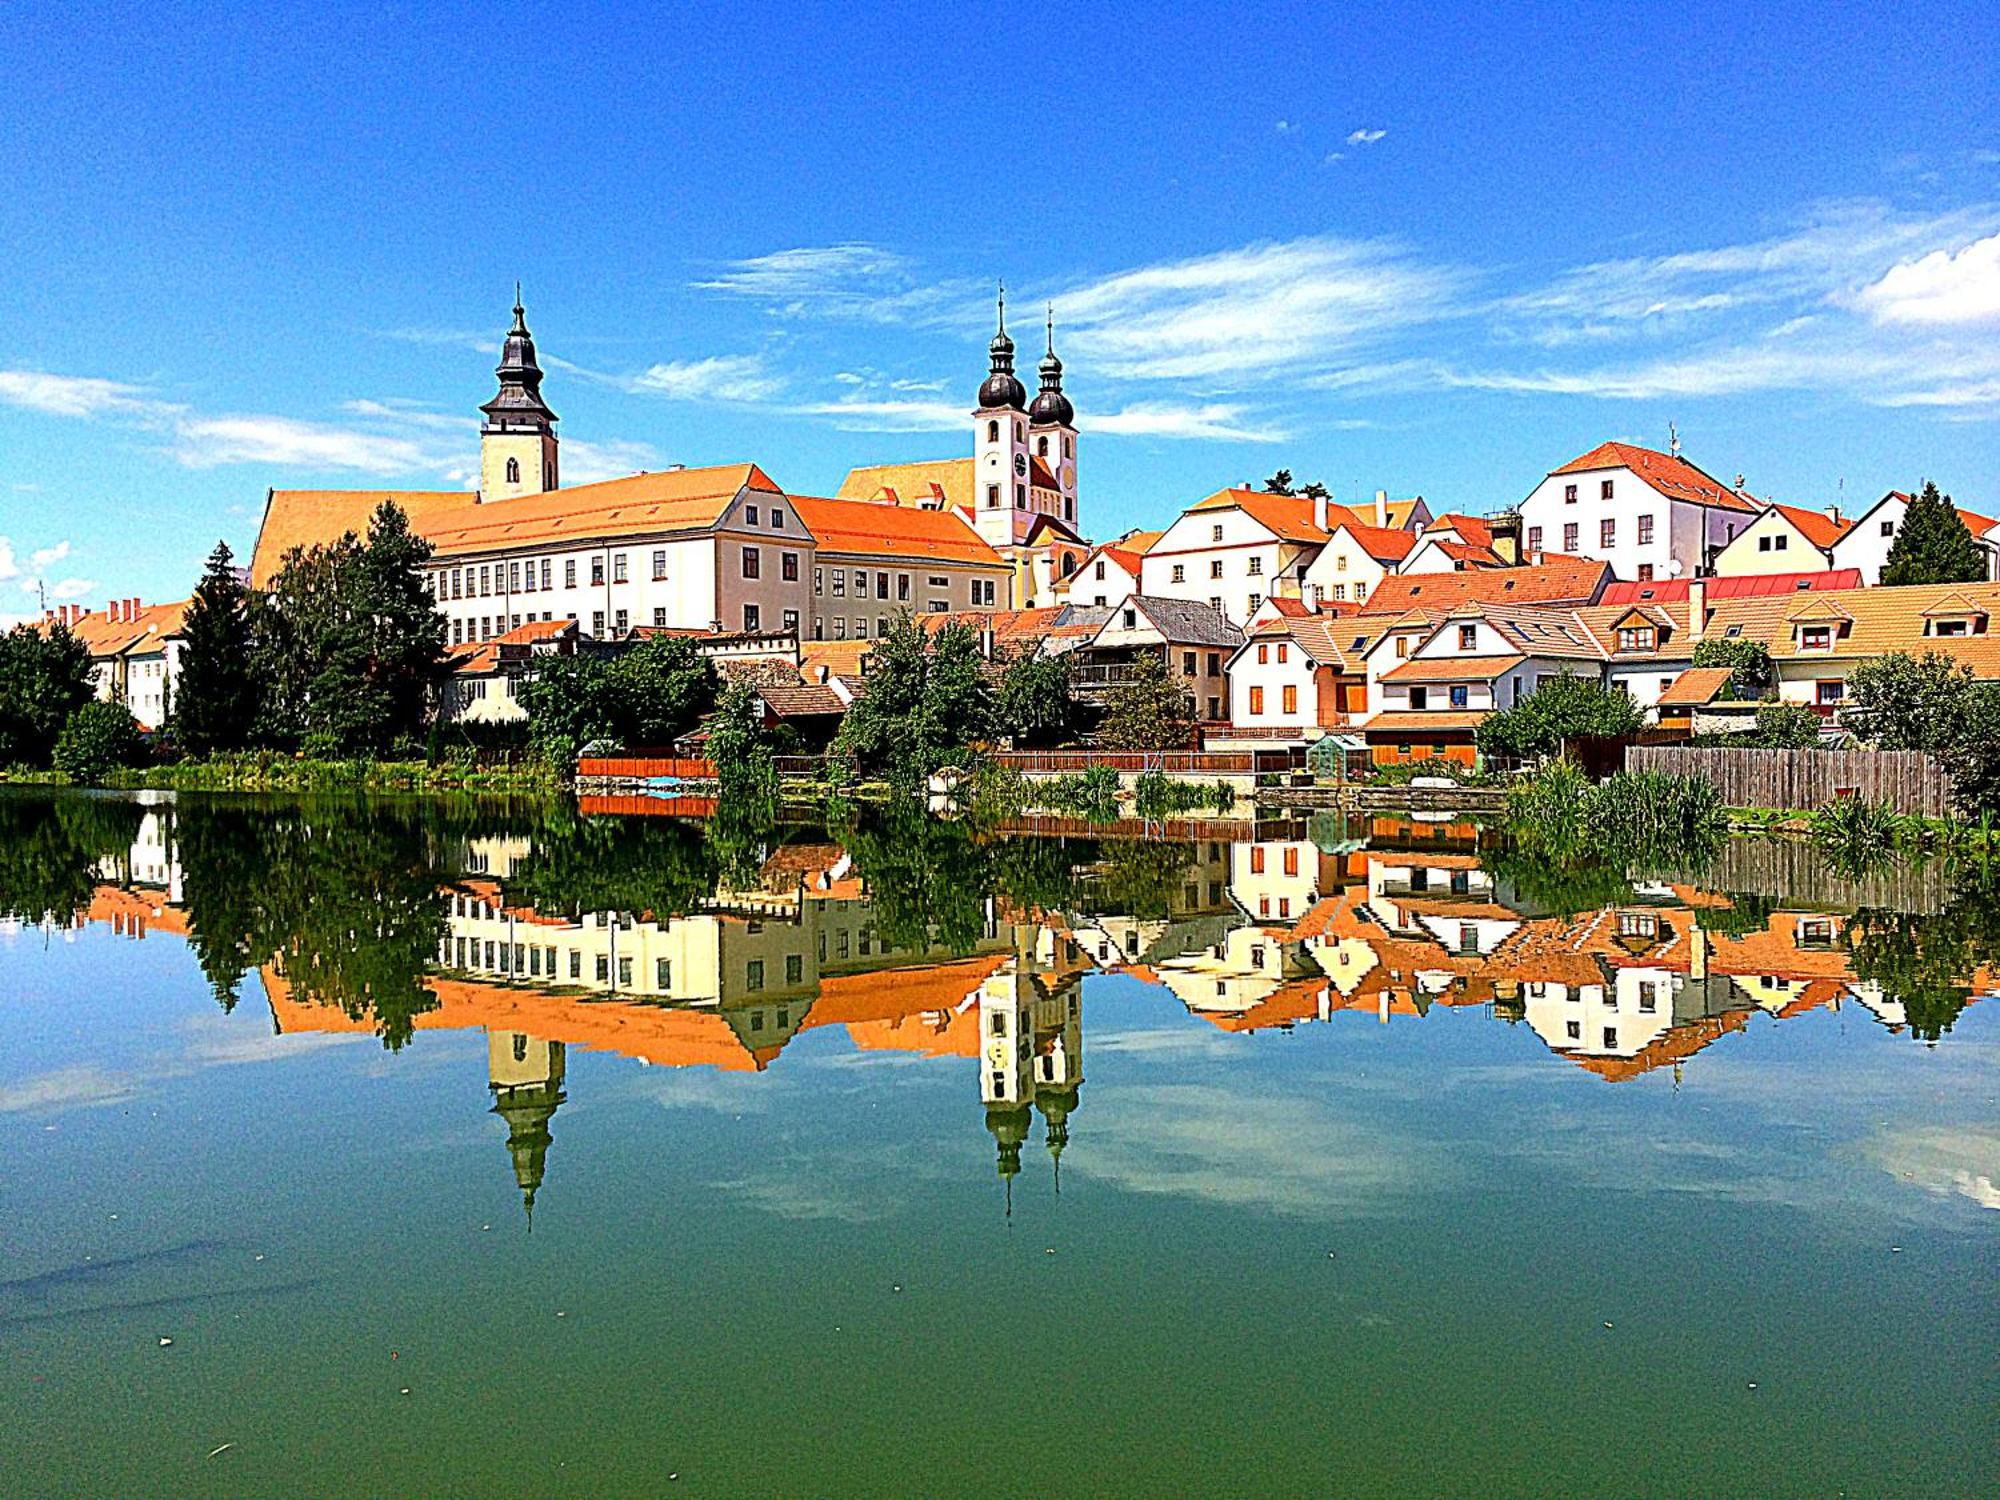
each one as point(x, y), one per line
point(1468, 637)
point(1815, 637)
point(1636, 638)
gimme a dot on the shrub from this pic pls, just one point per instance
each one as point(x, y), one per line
point(99, 738)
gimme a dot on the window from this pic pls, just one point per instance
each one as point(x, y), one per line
point(992, 432)
point(1569, 536)
point(937, 581)
point(1604, 490)
point(1041, 447)
point(1816, 638)
point(1098, 571)
point(1534, 538)
point(1611, 1037)
point(1569, 494)
point(751, 512)
point(788, 566)
point(660, 615)
point(603, 968)
point(753, 975)
point(663, 974)
point(1256, 567)
point(1645, 572)
point(992, 497)
point(777, 518)
point(1460, 696)
point(753, 562)
point(1645, 531)
point(1830, 692)
point(791, 621)
point(485, 582)
point(618, 574)
point(1635, 638)
point(1256, 700)
point(1263, 654)
point(840, 627)
point(1215, 663)
point(597, 570)
point(881, 585)
point(569, 573)
point(1215, 532)
point(1291, 699)
point(902, 588)
point(1888, 528)
point(625, 973)
point(1284, 651)
point(840, 583)
point(1607, 532)
point(660, 565)
point(622, 620)
point(1649, 997)
point(513, 471)
point(1468, 637)
point(597, 623)
point(1215, 568)
point(1950, 627)
point(1180, 572)
point(1187, 664)
point(1573, 1030)
point(753, 618)
point(1420, 699)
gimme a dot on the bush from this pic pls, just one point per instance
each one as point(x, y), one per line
point(99, 738)
point(1562, 709)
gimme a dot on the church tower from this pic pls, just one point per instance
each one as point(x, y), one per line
point(1052, 429)
point(1001, 482)
point(517, 441)
point(526, 1076)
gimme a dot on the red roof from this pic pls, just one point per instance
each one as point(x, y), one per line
point(1558, 579)
point(1816, 526)
point(1674, 590)
point(1388, 544)
point(1672, 476)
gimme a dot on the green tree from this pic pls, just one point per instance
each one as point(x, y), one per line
point(1562, 709)
point(1901, 702)
point(740, 746)
point(926, 703)
point(1279, 483)
point(404, 632)
point(1037, 704)
point(661, 688)
point(216, 697)
point(1150, 710)
point(44, 678)
point(1751, 676)
point(99, 738)
point(1785, 726)
point(1933, 545)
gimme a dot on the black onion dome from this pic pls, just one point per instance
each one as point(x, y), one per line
point(1051, 405)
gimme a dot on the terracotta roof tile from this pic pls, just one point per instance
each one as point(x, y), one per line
point(1696, 687)
point(873, 528)
point(1453, 668)
point(926, 484)
point(1558, 579)
point(1673, 477)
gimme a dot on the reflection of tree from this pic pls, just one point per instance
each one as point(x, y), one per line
point(1140, 878)
point(1747, 912)
point(343, 896)
point(927, 879)
point(1926, 963)
point(1560, 887)
point(661, 866)
point(51, 846)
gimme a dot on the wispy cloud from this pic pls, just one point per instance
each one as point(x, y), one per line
point(1365, 137)
point(1943, 287)
point(588, 462)
point(1265, 310)
point(888, 415)
point(852, 280)
point(78, 395)
point(283, 442)
point(1215, 420)
point(723, 377)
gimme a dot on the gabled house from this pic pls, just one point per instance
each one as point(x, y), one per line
point(1298, 676)
point(1194, 640)
point(1648, 514)
point(1109, 571)
point(1865, 544)
point(1783, 539)
point(486, 676)
point(1454, 542)
point(1354, 561)
point(873, 559)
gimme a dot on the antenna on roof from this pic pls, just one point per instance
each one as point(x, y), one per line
point(1673, 440)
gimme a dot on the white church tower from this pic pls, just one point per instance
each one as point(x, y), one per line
point(1052, 429)
point(1001, 452)
point(517, 441)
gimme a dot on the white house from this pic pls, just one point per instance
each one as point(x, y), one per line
point(1298, 676)
point(1866, 542)
point(1648, 514)
point(1354, 561)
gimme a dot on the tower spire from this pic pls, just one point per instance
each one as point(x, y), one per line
point(1002, 387)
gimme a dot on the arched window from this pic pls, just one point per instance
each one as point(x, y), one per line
point(1042, 447)
point(992, 432)
point(1069, 563)
point(513, 471)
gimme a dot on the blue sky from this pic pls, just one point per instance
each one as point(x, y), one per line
point(1405, 247)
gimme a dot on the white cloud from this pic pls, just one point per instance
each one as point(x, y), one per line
point(586, 463)
point(722, 377)
point(1334, 156)
point(282, 442)
point(1259, 311)
point(68, 588)
point(1943, 287)
point(1284, 127)
point(49, 556)
point(889, 415)
point(83, 1086)
point(806, 271)
point(1364, 137)
point(76, 395)
point(1214, 420)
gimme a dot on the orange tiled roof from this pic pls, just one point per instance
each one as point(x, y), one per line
point(311, 518)
point(1696, 687)
point(1557, 579)
point(872, 528)
point(930, 483)
point(1386, 544)
point(1816, 526)
point(1673, 477)
point(1452, 668)
point(1871, 622)
point(1289, 517)
point(1474, 530)
point(1423, 722)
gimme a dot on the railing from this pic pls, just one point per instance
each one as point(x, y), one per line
point(1171, 762)
point(1101, 675)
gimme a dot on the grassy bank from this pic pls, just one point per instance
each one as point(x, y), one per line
point(283, 773)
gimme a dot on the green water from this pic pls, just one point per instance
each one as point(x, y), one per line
point(1282, 1173)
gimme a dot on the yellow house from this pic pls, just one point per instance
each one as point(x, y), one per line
point(1783, 539)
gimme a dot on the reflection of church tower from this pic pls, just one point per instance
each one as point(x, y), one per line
point(1058, 1067)
point(527, 1084)
point(1006, 1084)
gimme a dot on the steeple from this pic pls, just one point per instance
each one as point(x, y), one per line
point(1002, 387)
point(1051, 405)
point(519, 403)
point(517, 441)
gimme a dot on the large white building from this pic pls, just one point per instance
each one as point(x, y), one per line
point(1648, 514)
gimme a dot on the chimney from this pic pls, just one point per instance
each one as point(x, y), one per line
point(1381, 507)
point(1697, 608)
point(1319, 511)
point(1506, 528)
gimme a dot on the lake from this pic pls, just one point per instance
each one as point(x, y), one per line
point(440, 1149)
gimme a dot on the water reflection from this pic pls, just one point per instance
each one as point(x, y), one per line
point(705, 944)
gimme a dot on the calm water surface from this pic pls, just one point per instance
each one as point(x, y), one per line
point(474, 1152)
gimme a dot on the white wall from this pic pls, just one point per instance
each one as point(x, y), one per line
point(1680, 531)
point(1343, 565)
point(1247, 554)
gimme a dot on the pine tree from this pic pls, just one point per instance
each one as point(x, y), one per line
point(405, 632)
point(216, 698)
point(1933, 545)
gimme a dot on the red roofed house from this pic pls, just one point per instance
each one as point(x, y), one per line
point(1865, 544)
point(1355, 560)
point(1648, 514)
point(1783, 539)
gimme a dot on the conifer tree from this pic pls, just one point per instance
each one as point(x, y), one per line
point(215, 697)
point(1933, 545)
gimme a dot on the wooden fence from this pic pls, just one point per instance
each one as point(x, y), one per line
point(645, 767)
point(1800, 780)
